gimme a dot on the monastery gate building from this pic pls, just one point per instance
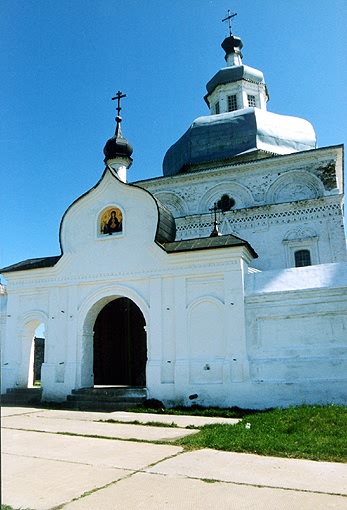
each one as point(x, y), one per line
point(223, 282)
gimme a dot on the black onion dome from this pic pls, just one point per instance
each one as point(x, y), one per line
point(118, 146)
point(232, 44)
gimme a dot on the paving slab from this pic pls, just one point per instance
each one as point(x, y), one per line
point(122, 416)
point(40, 484)
point(144, 491)
point(94, 428)
point(296, 474)
point(84, 450)
point(13, 411)
point(43, 469)
point(180, 421)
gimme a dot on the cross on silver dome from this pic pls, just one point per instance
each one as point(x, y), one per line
point(228, 18)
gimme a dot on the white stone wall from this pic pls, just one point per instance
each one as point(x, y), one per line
point(185, 299)
point(297, 334)
point(194, 318)
point(282, 204)
point(283, 343)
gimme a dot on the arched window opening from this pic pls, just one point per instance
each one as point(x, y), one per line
point(302, 258)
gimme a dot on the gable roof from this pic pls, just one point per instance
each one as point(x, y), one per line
point(205, 243)
point(38, 263)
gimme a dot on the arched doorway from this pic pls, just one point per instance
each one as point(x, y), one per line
point(39, 353)
point(120, 347)
point(33, 324)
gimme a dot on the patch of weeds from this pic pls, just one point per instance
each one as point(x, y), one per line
point(143, 423)
point(109, 438)
point(197, 410)
point(8, 507)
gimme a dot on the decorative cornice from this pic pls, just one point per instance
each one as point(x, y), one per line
point(266, 215)
point(273, 160)
point(94, 279)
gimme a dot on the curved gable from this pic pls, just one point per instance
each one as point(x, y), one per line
point(112, 220)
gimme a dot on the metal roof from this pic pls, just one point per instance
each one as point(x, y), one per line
point(31, 264)
point(222, 137)
point(234, 73)
point(206, 243)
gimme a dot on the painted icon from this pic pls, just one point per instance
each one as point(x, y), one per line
point(111, 221)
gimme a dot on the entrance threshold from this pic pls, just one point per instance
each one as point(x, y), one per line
point(107, 397)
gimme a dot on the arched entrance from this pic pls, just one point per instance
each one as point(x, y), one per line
point(120, 347)
point(33, 325)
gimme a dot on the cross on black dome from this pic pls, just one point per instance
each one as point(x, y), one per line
point(118, 146)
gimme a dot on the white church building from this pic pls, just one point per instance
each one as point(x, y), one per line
point(223, 282)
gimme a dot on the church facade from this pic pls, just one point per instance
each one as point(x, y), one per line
point(223, 282)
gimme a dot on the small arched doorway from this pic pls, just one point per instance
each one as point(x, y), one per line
point(39, 353)
point(120, 347)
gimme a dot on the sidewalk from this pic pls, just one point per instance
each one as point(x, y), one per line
point(122, 468)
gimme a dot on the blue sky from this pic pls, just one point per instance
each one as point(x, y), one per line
point(63, 60)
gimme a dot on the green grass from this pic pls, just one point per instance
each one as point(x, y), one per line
point(143, 423)
point(307, 432)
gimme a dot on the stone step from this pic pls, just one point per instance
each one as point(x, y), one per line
point(112, 392)
point(99, 406)
point(15, 396)
point(118, 398)
point(104, 398)
point(109, 398)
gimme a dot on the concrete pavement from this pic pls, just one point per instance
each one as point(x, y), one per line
point(49, 460)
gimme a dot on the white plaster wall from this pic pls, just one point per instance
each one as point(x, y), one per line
point(292, 347)
point(173, 292)
point(274, 197)
point(297, 334)
point(298, 176)
point(182, 354)
point(274, 231)
point(3, 319)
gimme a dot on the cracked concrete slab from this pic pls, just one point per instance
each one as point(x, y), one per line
point(40, 484)
point(120, 416)
point(94, 428)
point(145, 491)
point(43, 469)
point(328, 477)
point(84, 450)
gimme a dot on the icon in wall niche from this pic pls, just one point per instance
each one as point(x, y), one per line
point(111, 221)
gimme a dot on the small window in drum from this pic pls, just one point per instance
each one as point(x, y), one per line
point(302, 258)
